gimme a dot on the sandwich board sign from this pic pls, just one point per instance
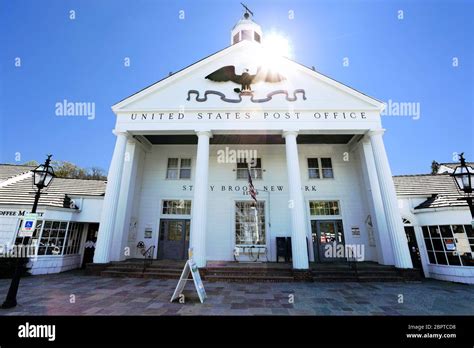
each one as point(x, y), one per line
point(190, 267)
point(28, 225)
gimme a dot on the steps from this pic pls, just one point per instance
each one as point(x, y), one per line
point(364, 272)
point(248, 274)
point(134, 269)
point(261, 272)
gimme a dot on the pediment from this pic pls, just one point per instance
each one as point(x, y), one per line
point(302, 88)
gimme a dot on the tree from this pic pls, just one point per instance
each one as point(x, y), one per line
point(434, 167)
point(31, 163)
point(96, 173)
point(65, 169)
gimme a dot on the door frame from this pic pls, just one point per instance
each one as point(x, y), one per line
point(267, 225)
point(317, 258)
point(184, 220)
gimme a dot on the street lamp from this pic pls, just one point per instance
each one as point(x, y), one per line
point(42, 177)
point(463, 177)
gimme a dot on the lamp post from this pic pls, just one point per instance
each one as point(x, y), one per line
point(463, 177)
point(42, 177)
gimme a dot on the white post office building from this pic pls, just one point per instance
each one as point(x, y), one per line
point(187, 148)
point(314, 146)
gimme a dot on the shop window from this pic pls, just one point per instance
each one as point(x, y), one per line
point(255, 169)
point(177, 207)
point(178, 168)
point(449, 244)
point(55, 238)
point(52, 238)
point(34, 239)
point(324, 208)
point(74, 236)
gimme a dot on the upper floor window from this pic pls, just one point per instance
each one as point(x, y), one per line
point(236, 38)
point(255, 169)
point(320, 168)
point(179, 168)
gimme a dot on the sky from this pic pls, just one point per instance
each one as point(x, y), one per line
point(418, 52)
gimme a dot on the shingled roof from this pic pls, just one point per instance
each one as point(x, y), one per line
point(8, 171)
point(453, 165)
point(21, 192)
point(440, 188)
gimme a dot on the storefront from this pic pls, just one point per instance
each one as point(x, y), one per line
point(438, 226)
point(68, 223)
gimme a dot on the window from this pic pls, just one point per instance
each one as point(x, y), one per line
point(326, 166)
point(313, 168)
point(177, 207)
point(247, 35)
point(324, 208)
point(74, 236)
point(256, 37)
point(34, 238)
point(449, 244)
point(236, 38)
point(56, 237)
point(179, 168)
point(255, 169)
point(249, 223)
point(52, 238)
point(320, 168)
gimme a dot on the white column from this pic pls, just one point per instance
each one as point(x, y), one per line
point(389, 199)
point(199, 204)
point(125, 202)
point(109, 206)
point(298, 226)
point(384, 245)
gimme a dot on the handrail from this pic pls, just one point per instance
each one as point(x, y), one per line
point(148, 256)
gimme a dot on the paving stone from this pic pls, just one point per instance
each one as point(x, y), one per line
point(122, 296)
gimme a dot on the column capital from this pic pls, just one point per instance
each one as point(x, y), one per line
point(119, 132)
point(207, 133)
point(289, 132)
point(373, 132)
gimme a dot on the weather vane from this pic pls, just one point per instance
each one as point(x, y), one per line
point(247, 10)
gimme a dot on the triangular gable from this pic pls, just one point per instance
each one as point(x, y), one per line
point(306, 88)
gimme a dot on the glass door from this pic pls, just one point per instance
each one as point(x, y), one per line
point(328, 240)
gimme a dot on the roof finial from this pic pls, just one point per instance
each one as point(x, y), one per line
point(247, 11)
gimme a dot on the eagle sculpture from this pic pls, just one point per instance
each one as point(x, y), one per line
point(227, 73)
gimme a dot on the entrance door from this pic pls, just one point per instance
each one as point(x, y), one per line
point(89, 246)
point(173, 243)
point(413, 247)
point(327, 236)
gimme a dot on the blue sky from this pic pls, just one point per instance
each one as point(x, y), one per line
point(405, 60)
